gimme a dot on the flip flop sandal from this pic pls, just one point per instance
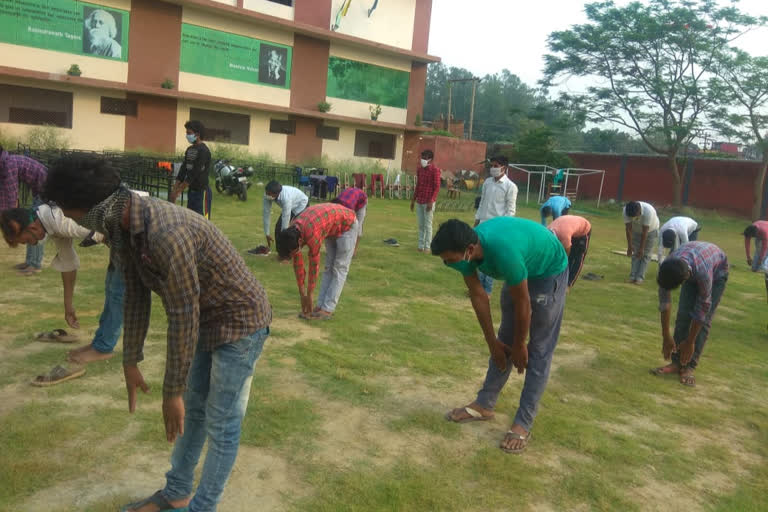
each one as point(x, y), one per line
point(29, 271)
point(688, 380)
point(514, 435)
point(661, 371)
point(305, 317)
point(20, 266)
point(58, 375)
point(156, 499)
point(473, 416)
point(56, 336)
point(320, 316)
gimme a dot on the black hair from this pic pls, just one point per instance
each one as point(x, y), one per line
point(273, 188)
point(287, 241)
point(427, 154)
point(195, 126)
point(565, 211)
point(546, 211)
point(21, 216)
point(751, 231)
point(672, 273)
point(504, 161)
point(632, 209)
point(80, 181)
point(453, 235)
point(668, 238)
point(335, 200)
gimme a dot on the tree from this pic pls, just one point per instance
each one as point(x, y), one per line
point(538, 146)
point(612, 141)
point(650, 65)
point(744, 83)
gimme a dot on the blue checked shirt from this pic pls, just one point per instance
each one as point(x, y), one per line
point(708, 263)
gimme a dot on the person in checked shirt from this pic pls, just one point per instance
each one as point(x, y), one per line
point(702, 270)
point(424, 197)
point(15, 169)
point(335, 225)
point(218, 320)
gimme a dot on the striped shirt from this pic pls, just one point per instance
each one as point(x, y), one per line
point(708, 264)
point(315, 224)
point(207, 290)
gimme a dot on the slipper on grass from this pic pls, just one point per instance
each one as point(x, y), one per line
point(473, 416)
point(156, 499)
point(514, 435)
point(57, 375)
point(56, 336)
point(319, 315)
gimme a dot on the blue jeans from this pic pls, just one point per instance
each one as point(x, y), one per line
point(486, 281)
point(111, 319)
point(218, 387)
point(200, 201)
point(547, 304)
point(35, 252)
point(688, 295)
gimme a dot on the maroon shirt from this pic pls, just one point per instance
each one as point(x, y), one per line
point(427, 184)
point(15, 168)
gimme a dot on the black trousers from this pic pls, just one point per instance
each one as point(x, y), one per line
point(579, 247)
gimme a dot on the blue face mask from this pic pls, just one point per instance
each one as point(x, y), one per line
point(191, 137)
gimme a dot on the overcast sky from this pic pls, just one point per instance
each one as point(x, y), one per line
point(486, 36)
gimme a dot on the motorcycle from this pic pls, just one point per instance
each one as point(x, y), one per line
point(232, 180)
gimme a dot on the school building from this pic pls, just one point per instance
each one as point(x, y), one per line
point(127, 74)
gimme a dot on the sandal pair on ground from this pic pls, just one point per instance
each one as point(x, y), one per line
point(58, 373)
point(686, 374)
point(475, 415)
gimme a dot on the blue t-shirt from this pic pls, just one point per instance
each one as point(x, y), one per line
point(517, 249)
point(558, 204)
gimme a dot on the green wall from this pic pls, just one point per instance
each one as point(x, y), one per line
point(359, 81)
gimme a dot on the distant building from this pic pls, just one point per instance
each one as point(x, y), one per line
point(730, 148)
point(253, 71)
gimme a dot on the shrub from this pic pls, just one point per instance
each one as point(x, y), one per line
point(324, 106)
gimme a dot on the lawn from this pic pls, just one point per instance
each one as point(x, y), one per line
point(348, 414)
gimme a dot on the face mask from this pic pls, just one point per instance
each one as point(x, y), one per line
point(495, 172)
point(191, 138)
point(424, 163)
point(465, 266)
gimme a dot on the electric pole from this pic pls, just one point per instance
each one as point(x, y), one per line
point(474, 81)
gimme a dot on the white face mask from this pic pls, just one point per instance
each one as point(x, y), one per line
point(496, 171)
point(424, 163)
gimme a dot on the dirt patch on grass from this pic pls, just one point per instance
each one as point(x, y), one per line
point(571, 355)
point(300, 331)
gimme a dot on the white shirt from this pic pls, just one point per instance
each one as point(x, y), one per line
point(498, 199)
point(61, 230)
point(291, 200)
point(682, 226)
point(647, 217)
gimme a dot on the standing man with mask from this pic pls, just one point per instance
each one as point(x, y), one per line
point(194, 172)
point(15, 169)
point(218, 320)
point(498, 199)
point(533, 265)
point(424, 197)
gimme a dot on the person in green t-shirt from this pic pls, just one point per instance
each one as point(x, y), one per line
point(534, 267)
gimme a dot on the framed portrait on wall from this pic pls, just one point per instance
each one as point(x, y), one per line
point(102, 32)
point(273, 63)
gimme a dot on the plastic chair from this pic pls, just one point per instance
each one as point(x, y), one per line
point(332, 182)
point(359, 180)
point(377, 185)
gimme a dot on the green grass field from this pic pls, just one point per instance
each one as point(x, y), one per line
point(348, 414)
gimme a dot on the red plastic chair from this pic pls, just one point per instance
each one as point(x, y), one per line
point(377, 185)
point(359, 179)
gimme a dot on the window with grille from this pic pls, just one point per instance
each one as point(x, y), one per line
point(375, 144)
point(30, 105)
point(286, 126)
point(119, 106)
point(328, 132)
point(223, 126)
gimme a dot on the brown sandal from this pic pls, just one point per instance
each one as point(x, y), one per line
point(56, 336)
point(57, 375)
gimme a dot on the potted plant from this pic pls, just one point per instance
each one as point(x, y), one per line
point(168, 84)
point(74, 70)
point(417, 121)
point(375, 112)
point(324, 106)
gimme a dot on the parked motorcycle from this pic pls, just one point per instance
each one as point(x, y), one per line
point(232, 180)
